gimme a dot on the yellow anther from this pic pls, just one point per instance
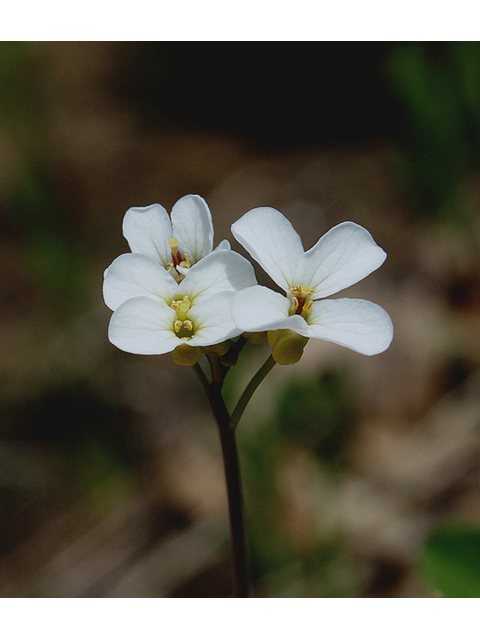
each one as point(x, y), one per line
point(182, 325)
point(307, 307)
point(185, 263)
point(181, 307)
point(302, 291)
point(294, 306)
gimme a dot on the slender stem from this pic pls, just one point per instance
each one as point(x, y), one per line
point(235, 349)
point(226, 428)
point(231, 465)
point(216, 368)
point(234, 492)
point(202, 378)
point(249, 391)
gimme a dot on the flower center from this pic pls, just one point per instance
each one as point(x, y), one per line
point(177, 259)
point(182, 326)
point(301, 303)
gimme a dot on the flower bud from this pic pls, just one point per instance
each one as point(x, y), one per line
point(218, 349)
point(186, 355)
point(287, 346)
point(255, 337)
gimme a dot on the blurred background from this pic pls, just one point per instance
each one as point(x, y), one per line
point(361, 475)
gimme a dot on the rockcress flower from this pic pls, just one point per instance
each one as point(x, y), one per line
point(343, 256)
point(153, 314)
point(175, 242)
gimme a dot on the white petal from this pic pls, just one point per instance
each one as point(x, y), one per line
point(192, 226)
point(219, 271)
point(272, 241)
point(224, 245)
point(143, 326)
point(343, 256)
point(148, 230)
point(261, 309)
point(133, 274)
point(212, 319)
point(358, 324)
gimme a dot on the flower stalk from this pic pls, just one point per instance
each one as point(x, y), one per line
point(226, 428)
point(249, 391)
point(213, 391)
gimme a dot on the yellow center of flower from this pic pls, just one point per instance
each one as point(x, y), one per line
point(301, 303)
point(182, 326)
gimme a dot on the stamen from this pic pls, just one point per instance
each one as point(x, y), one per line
point(302, 290)
point(182, 326)
point(307, 307)
point(301, 303)
point(185, 263)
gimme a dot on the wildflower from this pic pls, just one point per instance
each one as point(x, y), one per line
point(343, 256)
point(153, 314)
point(176, 243)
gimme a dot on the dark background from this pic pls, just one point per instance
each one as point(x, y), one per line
point(361, 474)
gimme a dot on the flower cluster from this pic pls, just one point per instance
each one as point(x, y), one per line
point(173, 292)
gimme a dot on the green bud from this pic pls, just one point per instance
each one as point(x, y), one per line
point(218, 349)
point(287, 346)
point(255, 337)
point(185, 355)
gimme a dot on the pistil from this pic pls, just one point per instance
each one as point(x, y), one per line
point(177, 260)
point(176, 255)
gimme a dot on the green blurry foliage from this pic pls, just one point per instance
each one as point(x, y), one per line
point(451, 562)
point(53, 257)
point(439, 86)
point(318, 413)
point(313, 415)
point(38, 211)
point(17, 82)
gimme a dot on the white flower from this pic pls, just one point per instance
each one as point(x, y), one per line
point(176, 243)
point(153, 314)
point(343, 256)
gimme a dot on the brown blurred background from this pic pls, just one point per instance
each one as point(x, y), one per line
point(361, 474)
